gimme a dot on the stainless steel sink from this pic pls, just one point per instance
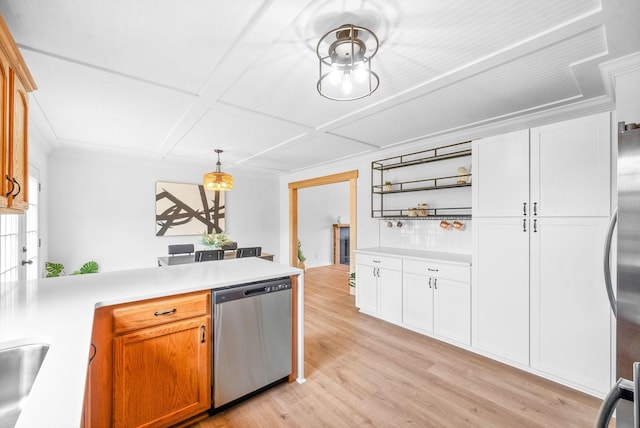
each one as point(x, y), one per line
point(19, 366)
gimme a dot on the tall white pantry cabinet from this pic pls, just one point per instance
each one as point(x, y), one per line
point(541, 206)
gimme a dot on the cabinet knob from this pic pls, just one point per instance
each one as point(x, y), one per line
point(204, 331)
point(535, 225)
point(430, 282)
point(524, 208)
point(435, 283)
point(524, 225)
point(535, 208)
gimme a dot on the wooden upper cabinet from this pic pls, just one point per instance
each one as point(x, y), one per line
point(4, 131)
point(16, 82)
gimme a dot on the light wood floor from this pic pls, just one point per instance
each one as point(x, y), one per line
point(365, 372)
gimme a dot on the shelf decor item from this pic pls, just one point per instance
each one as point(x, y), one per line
point(462, 175)
point(387, 186)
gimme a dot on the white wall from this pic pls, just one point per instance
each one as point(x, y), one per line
point(318, 209)
point(39, 150)
point(103, 209)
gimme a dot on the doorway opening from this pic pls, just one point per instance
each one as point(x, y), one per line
point(348, 176)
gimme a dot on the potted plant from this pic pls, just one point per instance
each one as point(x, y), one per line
point(218, 241)
point(301, 257)
point(387, 186)
point(352, 283)
point(57, 269)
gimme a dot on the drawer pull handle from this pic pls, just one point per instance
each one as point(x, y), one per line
point(169, 312)
point(376, 261)
point(432, 270)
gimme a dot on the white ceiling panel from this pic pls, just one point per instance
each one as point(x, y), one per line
point(317, 149)
point(85, 105)
point(532, 81)
point(239, 133)
point(174, 43)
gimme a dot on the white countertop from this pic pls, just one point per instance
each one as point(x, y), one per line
point(456, 258)
point(59, 311)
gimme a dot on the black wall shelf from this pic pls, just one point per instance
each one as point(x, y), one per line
point(380, 190)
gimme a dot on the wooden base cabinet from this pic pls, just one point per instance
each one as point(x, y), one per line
point(437, 299)
point(152, 363)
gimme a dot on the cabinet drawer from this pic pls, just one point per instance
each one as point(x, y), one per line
point(438, 270)
point(159, 311)
point(379, 261)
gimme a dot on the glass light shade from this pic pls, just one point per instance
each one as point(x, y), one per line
point(217, 181)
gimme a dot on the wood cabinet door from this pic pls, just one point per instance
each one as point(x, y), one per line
point(570, 167)
point(452, 310)
point(570, 315)
point(162, 374)
point(18, 147)
point(417, 296)
point(366, 289)
point(390, 295)
point(500, 174)
point(4, 131)
point(500, 287)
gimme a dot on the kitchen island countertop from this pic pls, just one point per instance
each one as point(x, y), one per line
point(59, 312)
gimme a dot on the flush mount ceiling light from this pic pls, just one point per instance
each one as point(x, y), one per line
point(218, 180)
point(345, 63)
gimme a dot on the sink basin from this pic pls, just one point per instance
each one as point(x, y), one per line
point(19, 366)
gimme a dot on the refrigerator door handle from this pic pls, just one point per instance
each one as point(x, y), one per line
point(623, 389)
point(607, 262)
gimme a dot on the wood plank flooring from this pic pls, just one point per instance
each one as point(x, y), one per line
point(361, 371)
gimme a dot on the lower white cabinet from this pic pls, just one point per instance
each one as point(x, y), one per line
point(570, 315)
point(379, 286)
point(501, 287)
point(437, 299)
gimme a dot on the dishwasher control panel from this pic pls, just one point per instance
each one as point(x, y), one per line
point(251, 289)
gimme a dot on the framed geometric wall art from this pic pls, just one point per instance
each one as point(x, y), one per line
point(188, 209)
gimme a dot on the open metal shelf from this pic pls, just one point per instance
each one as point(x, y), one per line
point(451, 151)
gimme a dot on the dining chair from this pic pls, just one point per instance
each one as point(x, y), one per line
point(180, 249)
point(209, 255)
point(249, 252)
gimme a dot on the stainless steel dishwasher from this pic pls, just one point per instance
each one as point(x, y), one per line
point(251, 338)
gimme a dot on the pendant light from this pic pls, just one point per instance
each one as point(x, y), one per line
point(345, 55)
point(218, 180)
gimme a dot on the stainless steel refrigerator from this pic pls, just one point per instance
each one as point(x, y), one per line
point(625, 304)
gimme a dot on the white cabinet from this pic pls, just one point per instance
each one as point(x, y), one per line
point(541, 207)
point(437, 299)
point(501, 287)
point(561, 169)
point(570, 316)
point(501, 175)
point(379, 286)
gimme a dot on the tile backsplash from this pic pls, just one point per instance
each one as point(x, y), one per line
point(425, 235)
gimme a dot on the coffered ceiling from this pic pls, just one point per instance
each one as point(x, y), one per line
point(166, 79)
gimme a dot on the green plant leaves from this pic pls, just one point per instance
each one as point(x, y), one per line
point(88, 267)
point(53, 269)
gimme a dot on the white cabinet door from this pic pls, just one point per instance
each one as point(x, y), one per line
point(366, 289)
point(390, 295)
point(452, 310)
point(418, 301)
point(570, 167)
point(570, 316)
point(500, 292)
point(500, 175)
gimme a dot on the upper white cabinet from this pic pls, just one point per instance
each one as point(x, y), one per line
point(570, 168)
point(501, 175)
point(561, 169)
